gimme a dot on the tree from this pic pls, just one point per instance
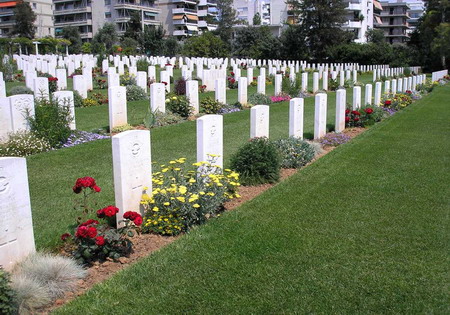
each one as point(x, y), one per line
point(205, 45)
point(134, 26)
point(320, 22)
point(293, 43)
point(106, 37)
point(152, 42)
point(25, 18)
point(171, 47)
point(226, 20)
point(441, 43)
point(256, 43)
point(426, 36)
point(71, 33)
point(375, 36)
point(129, 45)
point(257, 19)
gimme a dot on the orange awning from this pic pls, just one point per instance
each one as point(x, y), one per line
point(378, 19)
point(377, 5)
point(8, 4)
point(178, 17)
point(192, 17)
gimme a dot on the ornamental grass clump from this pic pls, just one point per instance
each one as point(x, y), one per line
point(294, 152)
point(182, 198)
point(99, 238)
point(257, 162)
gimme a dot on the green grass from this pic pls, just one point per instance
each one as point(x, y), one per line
point(52, 174)
point(362, 230)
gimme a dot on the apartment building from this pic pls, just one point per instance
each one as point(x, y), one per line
point(44, 17)
point(90, 15)
point(185, 18)
point(395, 24)
point(415, 12)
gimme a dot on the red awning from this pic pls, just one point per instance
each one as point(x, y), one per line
point(377, 5)
point(8, 4)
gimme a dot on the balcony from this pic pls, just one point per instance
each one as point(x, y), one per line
point(352, 24)
point(184, 11)
point(183, 22)
point(86, 35)
point(185, 1)
point(6, 12)
point(74, 23)
point(72, 10)
point(211, 3)
point(130, 6)
point(7, 23)
point(354, 7)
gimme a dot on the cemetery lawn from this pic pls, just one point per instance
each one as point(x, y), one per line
point(362, 230)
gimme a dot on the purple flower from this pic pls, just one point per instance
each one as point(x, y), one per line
point(79, 137)
point(334, 139)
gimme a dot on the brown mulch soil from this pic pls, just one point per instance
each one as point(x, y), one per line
point(145, 244)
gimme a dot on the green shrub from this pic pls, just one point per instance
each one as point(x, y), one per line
point(127, 79)
point(8, 304)
point(51, 122)
point(23, 144)
point(294, 152)
point(259, 99)
point(257, 162)
point(20, 89)
point(135, 93)
point(208, 105)
point(77, 99)
point(293, 89)
point(333, 85)
point(179, 105)
point(142, 65)
point(158, 119)
point(122, 128)
point(89, 102)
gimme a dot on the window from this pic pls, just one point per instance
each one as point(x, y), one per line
point(391, 10)
point(34, 5)
point(107, 15)
point(107, 2)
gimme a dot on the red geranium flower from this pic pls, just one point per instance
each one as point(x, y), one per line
point(368, 110)
point(92, 232)
point(347, 111)
point(82, 231)
point(356, 119)
point(232, 74)
point(131, 215)
point(65, 236)
point(100, 240)
point(89, 222)
point(85, 182)
point(356, 113)
point(387, 102)
point(165, 83)
point(233, 81)
point(138, 221)
point(347, 119)
point(108, 211)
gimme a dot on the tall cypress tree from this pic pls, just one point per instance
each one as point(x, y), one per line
point(227, 18)
point(320, 22)
point(25, 18)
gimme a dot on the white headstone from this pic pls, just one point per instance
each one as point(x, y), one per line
point(113, 79)
point(61, 74)
point(79, 85)
point(278, 83)
point(165, 79)
point(5, 119)
point(261, 84)
point(117, 101)
point(210, 138)
point(356, 97)
point(242, 90)
point(377, 99)
point(220, 90)
point(132, 169)
point(305, 81)
point(259, 121)
point(315, 82)
point(65, 98)
point(16, 226)
point(20, 105)
point(158, 97)
point(320, 115)
point(296, 117)
point(368, 95)
point(192, 95)
point(41, 89)
point(141, 80)
point(341, 96)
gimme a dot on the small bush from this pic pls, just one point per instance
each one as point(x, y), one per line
point(259, 99)
point(158, 119)
point(77, 99)
point(257, 162)
point(8, 302)
point(208, 105)
point(122, 128)
point(180, 86)
point(183, 198)
point(364, 116)
point(31, 294)
point(90, 102)
point(16, 90)
point(294, 152)
point(292, 89)
point(51, 122)
point(179, 105)
point(142, 65)
point(127, 79)
point(135, 93)
point(23, 143)
point(397, 101)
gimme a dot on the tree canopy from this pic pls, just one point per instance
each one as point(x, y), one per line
point(24, 20)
